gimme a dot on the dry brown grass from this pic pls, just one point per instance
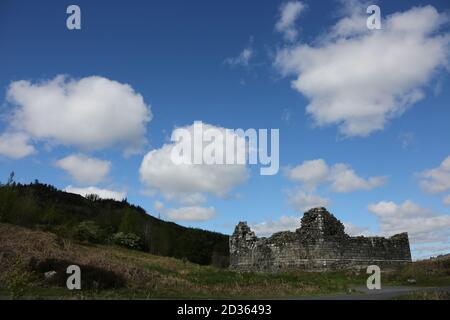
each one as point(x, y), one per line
point(26, 245)
point(149, 276)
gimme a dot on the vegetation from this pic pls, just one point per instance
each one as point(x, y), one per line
point(97, 221)
point(128, 240)
point(17, 279)
point(110, 271)
point(433, 272)
point(125, 253)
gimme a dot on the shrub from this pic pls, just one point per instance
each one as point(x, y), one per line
point(129, 240)
point(18, 280)
point(88, 231)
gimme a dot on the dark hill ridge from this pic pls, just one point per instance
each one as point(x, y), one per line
point(95, 220)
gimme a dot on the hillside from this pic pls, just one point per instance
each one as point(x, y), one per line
point(93, 220)
point(116, 272)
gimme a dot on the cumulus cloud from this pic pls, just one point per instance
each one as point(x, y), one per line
point(353, 230)
point(90, 113)
point(191, 199)
point(436, 180)
point(341, 177)
point(301, 201)
point(344, 180)
point(290, 223)
point(285, 223)
point(102, 193)
point(310, 173)
point(359, 79)
point(289, 12)
point(84, 169)
point(188, 213)
point(422, 224)
point(188, 183)
point(193, 213)
point(15, 145)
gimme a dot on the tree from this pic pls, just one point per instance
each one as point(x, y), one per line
point(88, 231)
point(128, 223)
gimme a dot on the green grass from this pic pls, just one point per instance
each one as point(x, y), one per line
point(429, 273)
point(150, 276)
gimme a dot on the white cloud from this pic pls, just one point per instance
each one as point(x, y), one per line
point(102, 193)
point(193, 213)
point(15, 145)
point(341, 177)
point(187, 183)
point(91, 113)
point(344, 180)
point(285, 223)
point(310, 173)
point(158, 205)
point(353, 230)
point(301, 201)
point(360, 79)
point(191, 199)
point(243, 59)
point(422, 224)
point(289, 12)
point(290, 223)
point(352, 14)
point(436, 180)
point(84, 169)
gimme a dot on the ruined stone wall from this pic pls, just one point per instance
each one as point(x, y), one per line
point(319, 244)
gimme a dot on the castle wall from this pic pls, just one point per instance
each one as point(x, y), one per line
point(320, 244)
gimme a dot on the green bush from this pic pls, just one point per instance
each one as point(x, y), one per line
point(88, 231)
point(129, 240)
point(18, 280)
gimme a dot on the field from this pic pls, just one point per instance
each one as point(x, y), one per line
point(112, 272)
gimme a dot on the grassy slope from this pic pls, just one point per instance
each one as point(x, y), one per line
point(143, 275)
point(43, 207)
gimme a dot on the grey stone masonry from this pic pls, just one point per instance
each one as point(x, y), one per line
point(319, 244)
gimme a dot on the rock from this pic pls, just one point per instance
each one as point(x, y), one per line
point(50, 274)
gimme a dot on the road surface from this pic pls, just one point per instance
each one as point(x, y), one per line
point(362, 293)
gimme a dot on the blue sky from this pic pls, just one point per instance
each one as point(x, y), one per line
point(186, 61)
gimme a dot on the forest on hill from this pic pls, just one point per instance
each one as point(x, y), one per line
point(93, 220)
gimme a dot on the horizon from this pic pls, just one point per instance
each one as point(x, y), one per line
point(89, 195)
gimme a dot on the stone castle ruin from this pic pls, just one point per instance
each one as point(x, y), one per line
point(319, 244)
